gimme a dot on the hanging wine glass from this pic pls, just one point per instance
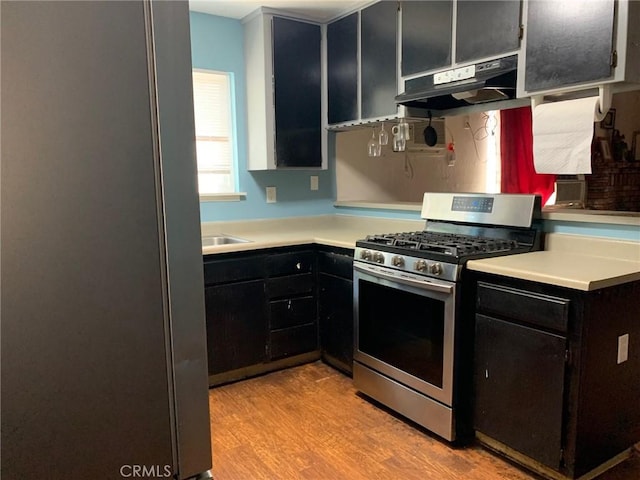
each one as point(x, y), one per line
point(383, 136)
point(373, 147)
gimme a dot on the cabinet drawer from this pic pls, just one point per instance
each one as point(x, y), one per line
point(233, 270)
point(336, 264)
point(289, 263)
point(292, 312)
point(291, 285)
point(520, 305)
point(293, 341)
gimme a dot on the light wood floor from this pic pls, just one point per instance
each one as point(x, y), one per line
point(308, 423)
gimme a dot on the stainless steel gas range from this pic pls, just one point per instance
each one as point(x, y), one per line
point(414, 310)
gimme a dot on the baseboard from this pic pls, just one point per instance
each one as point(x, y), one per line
point(543, 470)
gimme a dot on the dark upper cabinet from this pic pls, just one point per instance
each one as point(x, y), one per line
point(297, 93)
point(379, 59)
point(283, 61)
point(426, 36)
point(486, 28)
point(568, 43)
point(377, 84)
point(342, 69)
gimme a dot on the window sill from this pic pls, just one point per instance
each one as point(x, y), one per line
point(223, 197)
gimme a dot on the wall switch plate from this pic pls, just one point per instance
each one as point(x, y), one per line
point(314, 182)
point(271, 194)
point(623, 348)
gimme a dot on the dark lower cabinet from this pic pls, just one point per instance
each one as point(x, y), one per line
point(335, 308)
point(293, 317)
point(551, 387)
point(264, 309)
point(520, 387)
point(336, 321)
point(291, 285)
point(293, 341)
point(291, 312)
point(236, 311)
point(236, 327)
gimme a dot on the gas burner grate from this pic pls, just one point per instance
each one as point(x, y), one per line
point(381, 239)
point(444, 243)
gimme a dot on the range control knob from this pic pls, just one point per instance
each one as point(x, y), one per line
point(397, 261)
point(435, 269)
point(365, 255)
point(378, 257)
point(420, 265)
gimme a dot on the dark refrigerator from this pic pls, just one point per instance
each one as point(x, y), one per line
point(103, 350)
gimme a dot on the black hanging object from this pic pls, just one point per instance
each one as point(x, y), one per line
point(430, 134)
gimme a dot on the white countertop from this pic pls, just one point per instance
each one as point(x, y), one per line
point(580, 263)
point(334, 230)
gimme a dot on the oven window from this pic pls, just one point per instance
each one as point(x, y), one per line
point(402, 329)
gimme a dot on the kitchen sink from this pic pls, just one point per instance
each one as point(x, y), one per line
point(221, 239)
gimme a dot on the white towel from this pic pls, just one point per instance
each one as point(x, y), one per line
point(562, 136)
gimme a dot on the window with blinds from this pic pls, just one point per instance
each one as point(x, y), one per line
point(214, 132)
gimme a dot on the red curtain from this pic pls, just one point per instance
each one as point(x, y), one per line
point(516, 156)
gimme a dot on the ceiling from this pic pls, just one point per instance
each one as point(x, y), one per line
point(318, 10)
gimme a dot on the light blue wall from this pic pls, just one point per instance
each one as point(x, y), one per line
point(618, 232)
point(217, 44)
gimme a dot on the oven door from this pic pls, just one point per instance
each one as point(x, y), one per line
point(404, 328)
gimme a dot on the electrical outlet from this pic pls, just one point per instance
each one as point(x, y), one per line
point(271, 194)
point(314, 182)
point(623, 348)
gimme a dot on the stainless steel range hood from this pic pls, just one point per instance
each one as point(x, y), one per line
point(485, 82)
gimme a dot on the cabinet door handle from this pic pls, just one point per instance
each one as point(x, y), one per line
point(289, 305)
point(299, 266)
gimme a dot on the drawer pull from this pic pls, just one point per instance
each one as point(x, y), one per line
point(299, 266)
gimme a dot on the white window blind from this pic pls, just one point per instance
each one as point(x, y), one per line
point(214, 132)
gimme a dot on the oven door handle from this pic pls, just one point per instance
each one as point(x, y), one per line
point(423, 284)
